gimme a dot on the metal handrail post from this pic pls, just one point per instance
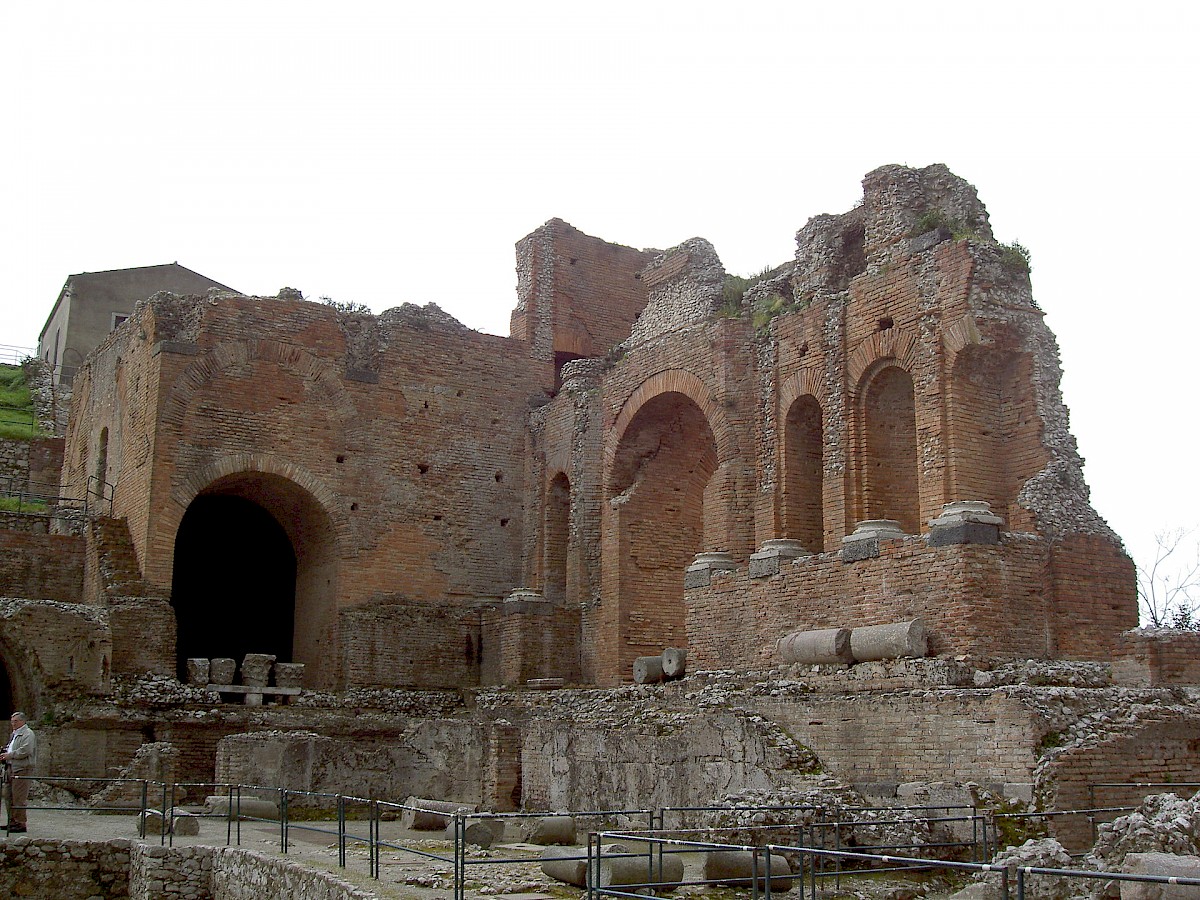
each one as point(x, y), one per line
point(283, 820)
point(341, 819)
point(1020, 883)
point(145, 808)
point(238, 816)
point(373, 830)
point(165, 828)
point(229, 815)
point(460, 849)
point(754, 874)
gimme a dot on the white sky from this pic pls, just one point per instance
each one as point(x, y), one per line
point(382, 154)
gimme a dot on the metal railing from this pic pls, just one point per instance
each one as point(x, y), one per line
point(12, 355)
point(816, 856)
point(44, 499)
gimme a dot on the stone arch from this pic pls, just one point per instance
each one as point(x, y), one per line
point(668, 499)
point(888, 483)
point(556, 530)
point(224, 516)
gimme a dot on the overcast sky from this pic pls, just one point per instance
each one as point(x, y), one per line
point(381, 154)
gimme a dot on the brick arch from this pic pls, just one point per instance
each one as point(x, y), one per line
point(806, 381)
point(678, 381)
point(893, 346)
point(309, 515)
point(191, 486)
point(887, 470)
point(316, 371)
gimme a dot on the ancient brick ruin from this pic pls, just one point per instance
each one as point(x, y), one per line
point(419, 513)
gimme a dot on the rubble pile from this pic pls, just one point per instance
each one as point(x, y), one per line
point(1164, 823)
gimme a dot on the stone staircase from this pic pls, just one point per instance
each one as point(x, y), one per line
point(111, 553)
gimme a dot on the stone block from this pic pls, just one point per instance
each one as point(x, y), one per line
point(198, 671)
point(551, 830)
point(674, 662)
point(1167, 864)
point(859, 550)
point(222, 670)
point(699, 573)
point(648, 670)
point(256, 669)
point(773, 554)
point(964, 533)
point(289, 674)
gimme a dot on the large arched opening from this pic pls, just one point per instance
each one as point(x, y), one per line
point(662, 497)
point(255, 569)
point(890, 488)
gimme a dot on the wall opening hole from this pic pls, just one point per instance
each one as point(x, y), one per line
point(504, 523)
point(353, 507)
point(458, 393)
point(422, 468)
point(885, 323)
point(499, 476)
point(341, 458)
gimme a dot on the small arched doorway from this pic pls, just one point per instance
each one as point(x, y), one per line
point(890, 486)
point(254, 571)
point(557, 539)
point(803, 481)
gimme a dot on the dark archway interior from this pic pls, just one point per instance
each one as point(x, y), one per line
point(234, 582)
point(6, 693)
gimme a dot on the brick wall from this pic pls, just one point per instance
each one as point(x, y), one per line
point(987, 601)
point(394, 642)
point(131, 619)
point(41, 566)
point(1154, 751)
point(879, 741)
point(53, 649)
point(537, 639)
point(1153, 657)
point(576, 294)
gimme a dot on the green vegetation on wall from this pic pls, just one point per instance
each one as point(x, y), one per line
point(17, 421)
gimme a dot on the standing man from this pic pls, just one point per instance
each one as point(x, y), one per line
point(19, 757)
